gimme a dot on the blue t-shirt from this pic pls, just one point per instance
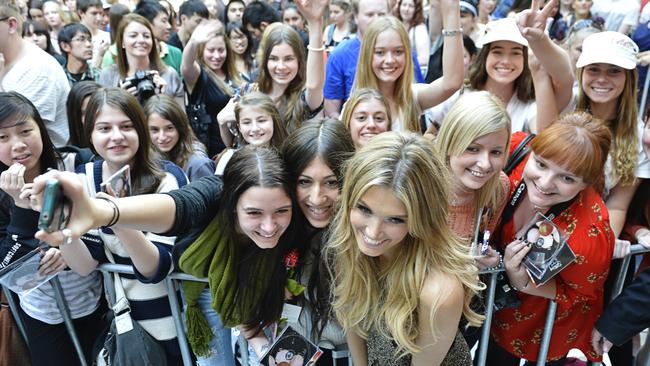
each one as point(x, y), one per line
point(341, 66)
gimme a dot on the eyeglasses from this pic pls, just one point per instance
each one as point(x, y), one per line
point(82, 39)
point(3, 19)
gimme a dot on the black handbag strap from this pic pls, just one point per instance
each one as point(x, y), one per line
point(518, 154)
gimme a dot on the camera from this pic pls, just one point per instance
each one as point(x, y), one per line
point(143, 81)
point(52, 212)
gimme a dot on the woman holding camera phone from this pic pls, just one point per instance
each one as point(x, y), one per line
point(25, 152)
point(139, 69)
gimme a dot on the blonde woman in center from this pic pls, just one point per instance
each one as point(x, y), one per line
point(412, 277)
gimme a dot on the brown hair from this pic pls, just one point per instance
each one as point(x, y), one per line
point(145, 172)
point(523, 84)
point(418, 16)
point(155, 63)
point(589, 139)
point(263, 102)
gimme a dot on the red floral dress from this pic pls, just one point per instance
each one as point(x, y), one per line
point(579, 286)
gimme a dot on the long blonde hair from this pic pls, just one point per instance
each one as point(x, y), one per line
point(625, 138)
point(366, 78)
point(366, 296)
point(475, 115)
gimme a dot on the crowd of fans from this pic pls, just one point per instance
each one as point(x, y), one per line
point(359, 160)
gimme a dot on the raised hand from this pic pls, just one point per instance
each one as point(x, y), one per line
point(205, 30)
point(312, 9)
point(532, 22)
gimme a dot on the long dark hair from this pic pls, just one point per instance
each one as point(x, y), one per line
point(15, 106)
point(478, 75)
point(166, 107)
point(257, 167)
point(146, 173)
point(329, 140)
point(78, 93)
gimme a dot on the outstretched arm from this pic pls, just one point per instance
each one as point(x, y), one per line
point(452, 59)
point(552, 58)
point(313, 11)
point(151, 212)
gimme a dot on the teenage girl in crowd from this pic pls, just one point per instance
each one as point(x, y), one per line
point(411, 13)
point(283, 75)
point(565, 187)
point(474, 141)
point(137, 50)
point(25, 152)
point(607, 79)
point(173, 138)
point(241, 254)
point(38, 34)
point(340, 28)
point(54, 19)
point(315, 154)
point(503, 68)
point(76, 107)
point(385, 65)
point(366, 115)
point(241, 45)
point(116, 128)
point(210, 77)
point(258, 124)
point(413, 276)
point(291, 16)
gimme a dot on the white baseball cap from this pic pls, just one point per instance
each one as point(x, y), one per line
point(503, 30)
point(608, 47)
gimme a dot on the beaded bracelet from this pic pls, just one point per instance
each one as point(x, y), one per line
point(499, 264)
point(116, 211)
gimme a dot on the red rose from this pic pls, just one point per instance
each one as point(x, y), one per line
point(291, 259)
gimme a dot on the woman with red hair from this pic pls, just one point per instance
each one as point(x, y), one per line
point(565, 188)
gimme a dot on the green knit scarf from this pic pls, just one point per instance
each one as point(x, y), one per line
point(218, 252)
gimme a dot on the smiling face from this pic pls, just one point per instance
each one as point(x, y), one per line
point(21, 142)
point(379, 222)
point(238, 41)
point(318, 192)
point(389, 57)
point(163, 133)
point(603, 83)
point(255, 126)
point(282, 64)
point(548, 183)
point(505, 62)
point(215, 53)
point(161, 26)
point(369, 119)
point(114, 137)
point(263, 214)
point(483, 158)
point(137, 40)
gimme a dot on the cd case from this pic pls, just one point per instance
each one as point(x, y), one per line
point(291, 348)
point(22, 276)
point(550, 253)
point(119, 184)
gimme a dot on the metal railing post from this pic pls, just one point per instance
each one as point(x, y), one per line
point(178, 322)
point(489, 311)
point(548, 332)
point(62, 304)
point(13, 307)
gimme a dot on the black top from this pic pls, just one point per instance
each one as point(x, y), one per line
point(175, 41)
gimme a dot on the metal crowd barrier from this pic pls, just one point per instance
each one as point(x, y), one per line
point(171, 285)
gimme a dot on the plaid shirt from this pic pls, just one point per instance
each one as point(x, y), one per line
point(91, 74)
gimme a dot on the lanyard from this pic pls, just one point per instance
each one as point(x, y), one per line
point(519, 193)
